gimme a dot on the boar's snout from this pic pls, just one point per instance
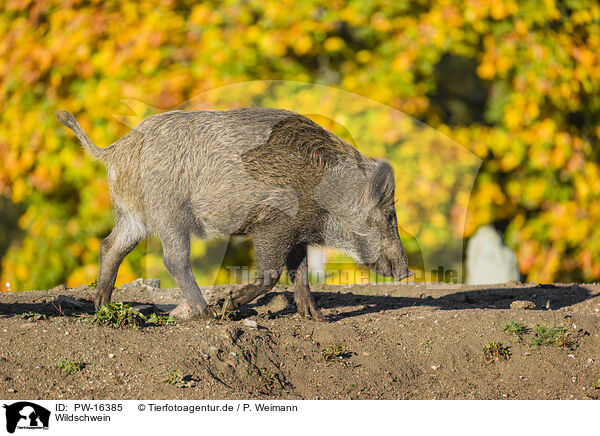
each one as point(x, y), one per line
point(392, 267)
point(402, 275)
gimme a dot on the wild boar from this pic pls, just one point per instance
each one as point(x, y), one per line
point(267, 173)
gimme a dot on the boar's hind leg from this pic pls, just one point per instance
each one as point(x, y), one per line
point(297, 265)
point(176, 257)
point(270, 252)
point(123, 238)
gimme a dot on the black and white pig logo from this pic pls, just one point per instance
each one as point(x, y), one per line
point(26, 415)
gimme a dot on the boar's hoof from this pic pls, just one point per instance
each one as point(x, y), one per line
point(101, 299)
point(306, 305)
point(317, 316)
point(184, 312)
point(311, 311)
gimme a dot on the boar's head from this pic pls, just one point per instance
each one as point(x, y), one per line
point(359, 200)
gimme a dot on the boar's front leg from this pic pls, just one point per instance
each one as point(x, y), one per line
point(176, 257)
point(270, 250)
point(297, 266)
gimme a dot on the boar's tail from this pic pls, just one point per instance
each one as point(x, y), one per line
point(69, 120)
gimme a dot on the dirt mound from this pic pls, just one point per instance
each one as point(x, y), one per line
point(381, 341)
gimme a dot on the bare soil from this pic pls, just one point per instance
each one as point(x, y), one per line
point(398, 342)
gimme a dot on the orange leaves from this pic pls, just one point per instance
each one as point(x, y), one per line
point(403, 61)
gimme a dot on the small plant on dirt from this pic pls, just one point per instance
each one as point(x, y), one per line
point(70, 366)
point(495, 351)
point(517, 329)
point(597, 383)
point(556, 336)
point(177, 379)
point(118, 315)
point(264, 381)
point(161, 319)
point(229, 315)
point(426, 342)
point(226, 312)
point(33, 316)
point(335, 352)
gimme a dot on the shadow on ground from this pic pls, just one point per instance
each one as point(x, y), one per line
point(543, 296)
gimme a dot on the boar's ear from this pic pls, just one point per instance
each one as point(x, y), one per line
point(382, 183)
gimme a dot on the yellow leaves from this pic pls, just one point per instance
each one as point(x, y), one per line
point(380, 22)
point(532, 111)
point(510, 160)
point(592, 176)
point(451, 15)
point(548, 267)
point(491, 192)
point(350, 15)
point(334, 44)
point(427, 238)
point(534, 191)
point(19, 191)
point(475, 10)
point(21, 272)
point(82, 275)
point(363, 56)
point(521, 111)
point(303, 45)
point(565, 90)
point(92, 244)
point(520, 27)
point(272, 45)
point(559, 157)
point(403, 61)
point(513, 118)
point(126, 274)
point(197, 249)
point(545, 130)
point(584, 56)
point(486, 70)
point(586, 15)
point(438, 220)
point(413, 106)
point(41, 179)
point(498, 10)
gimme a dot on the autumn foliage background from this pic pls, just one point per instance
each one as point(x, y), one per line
point(514, 83)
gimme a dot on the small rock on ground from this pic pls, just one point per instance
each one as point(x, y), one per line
point(522, 304)
point(138, 283)
point(81, 288)
point(59, 288)
point(185, 312)
point(250, 323)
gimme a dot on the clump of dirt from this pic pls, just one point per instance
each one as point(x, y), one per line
point(381, 341)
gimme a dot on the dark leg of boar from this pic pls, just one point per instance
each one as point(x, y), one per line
point(123, 238)
point(297, 266)
point(269, 250)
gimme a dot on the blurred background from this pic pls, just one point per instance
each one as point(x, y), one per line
point(489, 112)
